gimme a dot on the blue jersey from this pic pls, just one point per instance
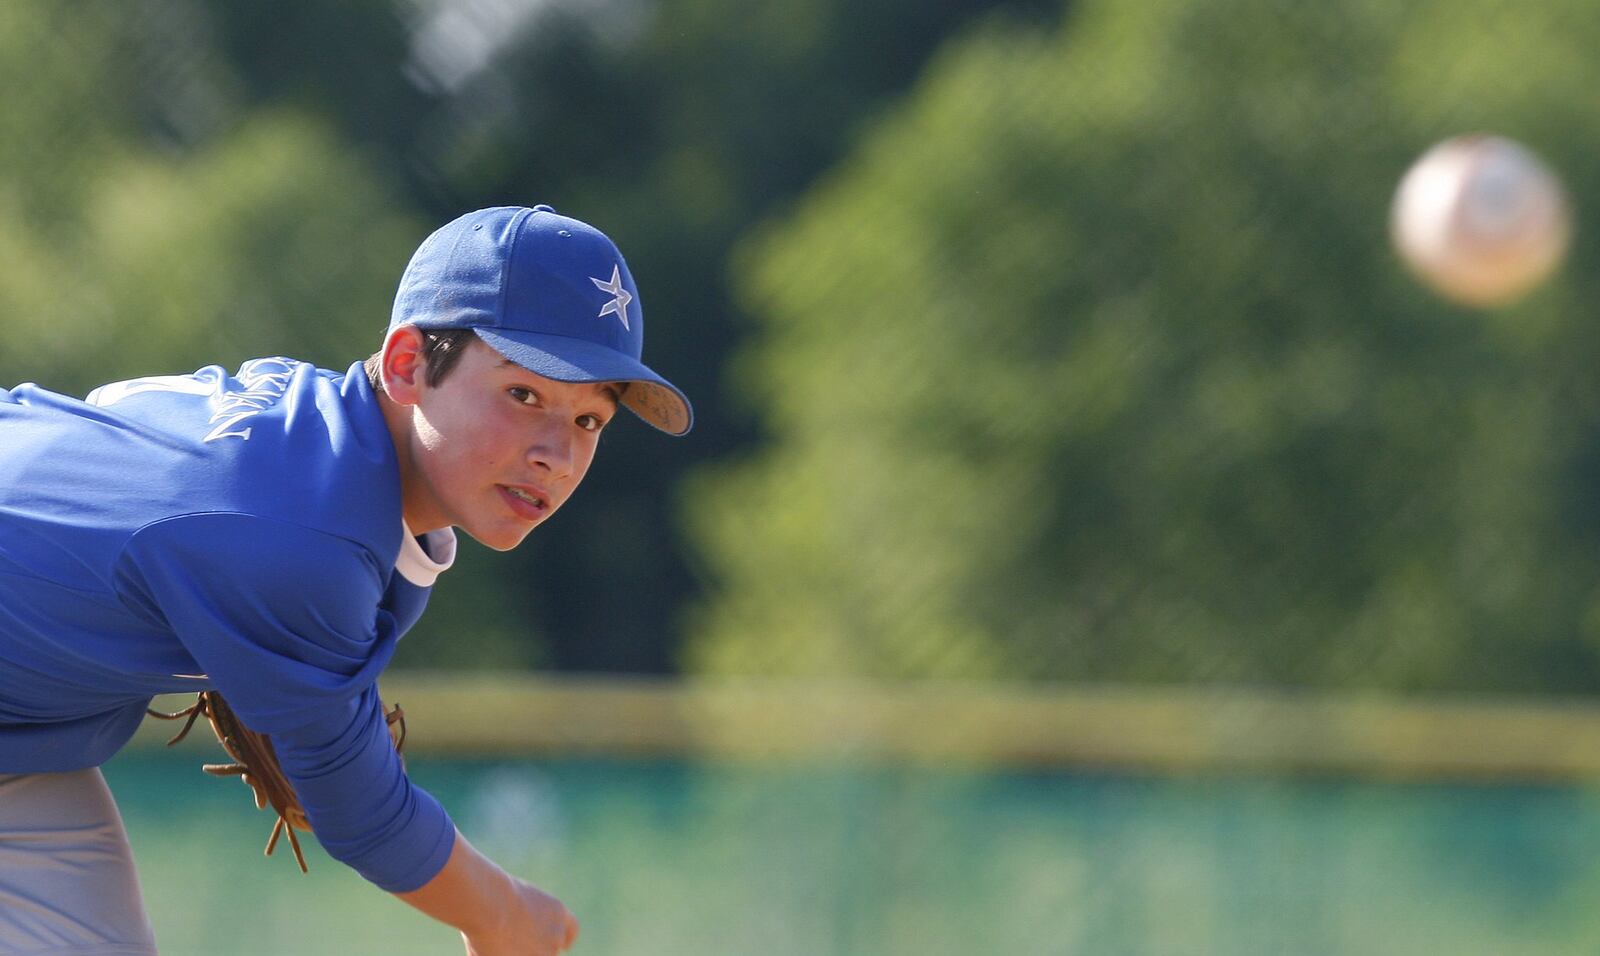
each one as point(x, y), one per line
point(237, 532)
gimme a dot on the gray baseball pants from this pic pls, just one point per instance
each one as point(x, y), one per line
point(67, 882)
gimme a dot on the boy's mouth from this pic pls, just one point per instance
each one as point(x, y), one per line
point(528, 504)
point(525, 496)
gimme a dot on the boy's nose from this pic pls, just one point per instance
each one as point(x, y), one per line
point(551, 451)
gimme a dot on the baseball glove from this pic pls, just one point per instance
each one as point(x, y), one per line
point(257, 763)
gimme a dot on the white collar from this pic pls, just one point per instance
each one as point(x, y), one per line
point(421, 567)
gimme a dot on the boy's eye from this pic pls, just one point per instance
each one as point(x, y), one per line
point(524, 395)
point(591, 423)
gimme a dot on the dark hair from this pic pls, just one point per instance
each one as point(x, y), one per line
point(440, 350)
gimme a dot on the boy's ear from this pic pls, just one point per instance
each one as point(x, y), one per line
point(403, 365)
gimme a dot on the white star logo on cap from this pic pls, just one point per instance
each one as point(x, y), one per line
point(619, 305)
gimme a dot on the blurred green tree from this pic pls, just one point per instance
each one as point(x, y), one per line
point(134, 245)
point(672, 125)
point(153, 221)
point(1093, 362)
point(185, 183)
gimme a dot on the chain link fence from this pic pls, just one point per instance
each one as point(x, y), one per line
point(1095, 541)
point(1094, 362)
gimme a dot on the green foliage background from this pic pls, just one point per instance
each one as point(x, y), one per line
point(1093, 362)
point(1027, 340)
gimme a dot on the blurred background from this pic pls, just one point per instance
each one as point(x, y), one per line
point(1092, 539)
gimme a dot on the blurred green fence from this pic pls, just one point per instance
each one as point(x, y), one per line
point(872, 821)
point(994, 725)
point(828, 859)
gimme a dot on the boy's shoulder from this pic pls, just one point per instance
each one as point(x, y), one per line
point(279, 439)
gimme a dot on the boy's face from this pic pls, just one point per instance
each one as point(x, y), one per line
point(495, 449)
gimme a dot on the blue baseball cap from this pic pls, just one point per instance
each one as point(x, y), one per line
point(548, 292)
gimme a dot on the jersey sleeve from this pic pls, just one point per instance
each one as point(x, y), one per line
point(363, 808)
point(285, 622)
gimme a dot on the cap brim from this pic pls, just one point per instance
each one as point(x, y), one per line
point(567, 359)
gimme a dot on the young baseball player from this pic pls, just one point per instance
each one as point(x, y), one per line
point(270, 534)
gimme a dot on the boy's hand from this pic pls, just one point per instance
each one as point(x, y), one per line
point(536, 924)
point(497, 914)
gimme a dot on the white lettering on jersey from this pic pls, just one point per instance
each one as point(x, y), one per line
point(117, 391)
point(264, 381)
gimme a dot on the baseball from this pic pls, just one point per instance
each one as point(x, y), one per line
point(1480, 220)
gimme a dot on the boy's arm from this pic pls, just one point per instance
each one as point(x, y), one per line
point(281, 618)
point(495, 912)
